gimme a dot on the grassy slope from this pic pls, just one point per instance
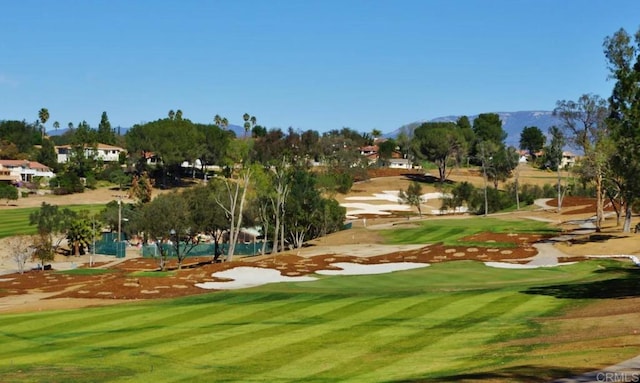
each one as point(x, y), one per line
point(430, 324)
point(16, 221)
point(450, 231)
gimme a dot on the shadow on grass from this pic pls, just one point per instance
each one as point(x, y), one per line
point(624, 283)
point(425, 178)
point(592, 238)
point(524, 374)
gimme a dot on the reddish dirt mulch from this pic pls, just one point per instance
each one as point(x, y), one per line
point(579, 205)
point(121, 282)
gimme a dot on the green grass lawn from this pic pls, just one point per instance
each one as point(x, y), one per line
point(16, 221)
point(450, 231)
point(429, 325)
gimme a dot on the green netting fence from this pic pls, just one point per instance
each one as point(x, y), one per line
point(206, 249)
point(108, 245)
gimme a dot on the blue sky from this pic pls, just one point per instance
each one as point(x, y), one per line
point(306, 64)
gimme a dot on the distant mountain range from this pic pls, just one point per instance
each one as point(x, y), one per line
point(238, 130)
point(512, 123)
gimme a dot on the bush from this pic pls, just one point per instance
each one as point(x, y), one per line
point(496, 200)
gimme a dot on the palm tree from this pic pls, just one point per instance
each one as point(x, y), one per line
point(217, 120)
point(79, 235)
point(179, 115)
point(247, 124)
point(43, 115)
point(70, 125)
point(56, 125)
point(224, 123)
point(172, 114)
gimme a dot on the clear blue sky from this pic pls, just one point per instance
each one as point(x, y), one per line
point(307, 64)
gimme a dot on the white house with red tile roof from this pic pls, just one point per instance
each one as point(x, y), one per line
point(24, 170)
point(104, 152)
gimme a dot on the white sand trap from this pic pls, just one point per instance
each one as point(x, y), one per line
point(359, 269)
point(506, 265)
point(244, 277)
point(356, 208)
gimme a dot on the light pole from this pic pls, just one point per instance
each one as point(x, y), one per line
point(93, 236)
point(119, 222)
point(119, 218)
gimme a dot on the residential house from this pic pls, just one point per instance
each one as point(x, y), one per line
point(104, 152)
point(24, 170)
point(6, 177)
point(568, 159)
point(398, 161)
point(370, 152)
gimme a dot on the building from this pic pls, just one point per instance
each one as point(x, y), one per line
point(24, 170)
point(568, 159)
point(104, 152)
point(6, 177)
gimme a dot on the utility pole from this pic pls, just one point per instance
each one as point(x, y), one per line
point(119, 222)
point(119, 219)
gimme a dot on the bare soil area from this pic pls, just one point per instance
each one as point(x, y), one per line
point(37, 290)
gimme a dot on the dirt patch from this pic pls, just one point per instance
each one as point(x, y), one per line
point(135, 279)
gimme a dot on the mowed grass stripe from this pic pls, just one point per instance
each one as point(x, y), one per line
point(450, 346)
point(174, 334)
point(89, 322)
point(257, 338)
point(16, 221)
point(358, 340)
point(102, 334)
point(381, 347)
point(333, 334)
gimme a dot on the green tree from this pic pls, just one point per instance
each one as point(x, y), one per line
point(584, 122)
point(173, 141)
point(8, 192)
point(167, 221)
point(439, 142)
point(105, 134)
point(302, 205)
point(44, 251)
point(460, 195)
point(21, 134)
point(385, 151)
point(50, 220)
point(249, 122)
point(412, 196)
point(623, 55)
point(532, 140)
point(488, 127)
point(80, 234)
point(43, 115)
point(503, 162)
point(206, 214)
point(553, 159)
point(47, 154)
point(234, 205)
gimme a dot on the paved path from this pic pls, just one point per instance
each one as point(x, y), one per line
point(625, 372)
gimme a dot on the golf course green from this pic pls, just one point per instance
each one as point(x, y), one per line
point(439, 323)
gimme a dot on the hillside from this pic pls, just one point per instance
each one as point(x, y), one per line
point(512, 123)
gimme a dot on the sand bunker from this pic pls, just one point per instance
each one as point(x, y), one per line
point(360, 269)
point(356, 208)
point(244, 277)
